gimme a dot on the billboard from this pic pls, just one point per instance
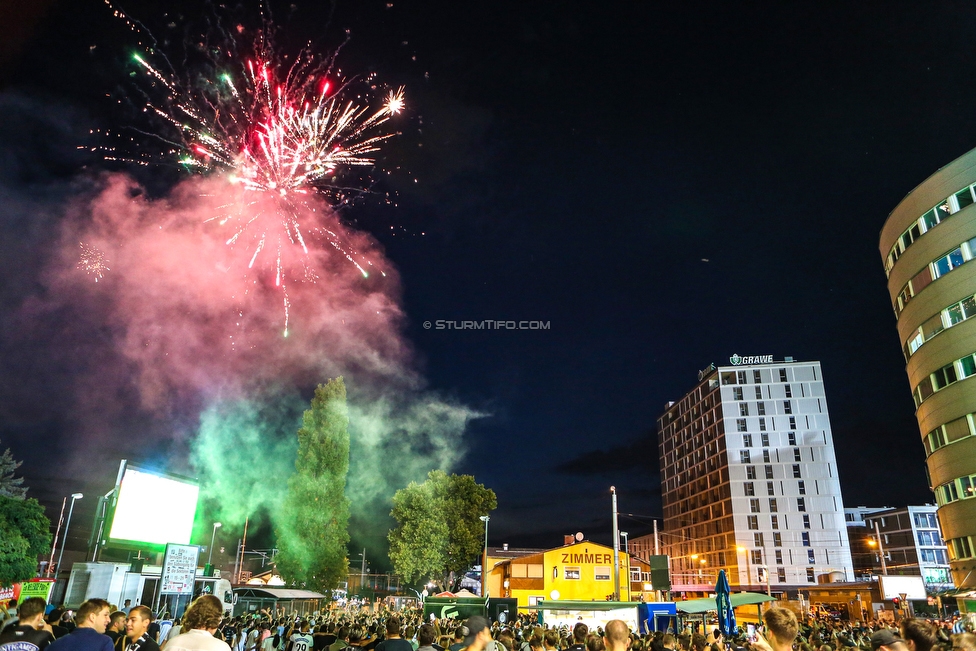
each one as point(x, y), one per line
point(895, 586)
point(152, 510)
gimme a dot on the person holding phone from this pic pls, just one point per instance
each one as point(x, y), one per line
point(781, 630)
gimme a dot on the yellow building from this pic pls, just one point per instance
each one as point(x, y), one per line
point(580, 571)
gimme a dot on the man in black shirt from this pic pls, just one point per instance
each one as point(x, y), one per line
point(31, 632)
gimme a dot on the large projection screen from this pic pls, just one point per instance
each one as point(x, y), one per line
point(153, 510)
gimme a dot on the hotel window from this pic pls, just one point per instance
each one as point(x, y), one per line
point(753, 521)
point(772, 505)
point(756, 376)
point(743, 408)
point(769, 488)
point(801, 504)
point(769, 472)
point(782, 375)
point(778, 542)
point(789, 391)
point(740, 424)
point(792, 422)
point(742, 376)
point(801, 487)
point(806, 521)
point(754, 505)
point(756, 556)
point(948, 262)
point(571, 573)
point(796, 471)
point(744, 456)
point(758, 538)
point(811, 578)
point(805, 536)
point(762, 426)
point(791, 438)
point(765, 456)
point(750, 488)
point(787, 407)
point(765, 437)
point(774, 522)
point(750, 472)
point(779, 556)
point(781, 574)
point(811, 556)
point(747, 440)
point(601, 573)
point(758, 393)
point(796, 454)
point(737, 393)
point(761, 408)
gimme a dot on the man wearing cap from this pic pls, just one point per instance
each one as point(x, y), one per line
point(886, 640)
point(477, 635)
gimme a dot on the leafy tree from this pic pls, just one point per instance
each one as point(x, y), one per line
point(25, 534)
point(10, 486)
point(313, 525)
point(439, 529)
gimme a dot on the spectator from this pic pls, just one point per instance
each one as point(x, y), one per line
point(89, 633)
point(201, 620)
point(30, 632)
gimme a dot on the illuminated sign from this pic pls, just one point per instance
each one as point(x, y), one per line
point(751, 359)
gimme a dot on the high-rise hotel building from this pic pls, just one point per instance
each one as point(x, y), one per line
point(926, 244)
point(749, 480)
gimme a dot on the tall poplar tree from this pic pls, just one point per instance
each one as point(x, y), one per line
point(312, 527)
point(11, 486)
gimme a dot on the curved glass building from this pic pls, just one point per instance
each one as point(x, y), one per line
point(928, 245)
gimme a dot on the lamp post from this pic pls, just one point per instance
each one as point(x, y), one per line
point(877, 533)
point(484, 564)
point(626, 542)
point(745, 551)
point(74, 496)
point(213, 536)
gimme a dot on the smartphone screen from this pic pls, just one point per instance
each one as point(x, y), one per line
point(751, 632)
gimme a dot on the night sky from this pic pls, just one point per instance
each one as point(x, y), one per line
point(665, 183)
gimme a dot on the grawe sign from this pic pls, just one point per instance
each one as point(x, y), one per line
point(179, 569)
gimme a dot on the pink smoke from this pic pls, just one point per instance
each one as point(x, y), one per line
point(196, 322)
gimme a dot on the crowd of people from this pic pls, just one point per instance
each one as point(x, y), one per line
point(99, 626)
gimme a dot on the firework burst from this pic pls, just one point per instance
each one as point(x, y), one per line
point(280, 132)
point(92, 261)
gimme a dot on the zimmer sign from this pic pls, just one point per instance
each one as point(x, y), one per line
point(751, 359)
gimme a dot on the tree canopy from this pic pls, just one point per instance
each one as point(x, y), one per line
point(25, 534)
point(312, 527)
point(439, 529)
point(10, 486)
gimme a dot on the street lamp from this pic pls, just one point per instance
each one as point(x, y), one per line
point(626, 542)
point(877, 533)
point(216, 526)
point(484, 564)
point(743, 550)
point(74, 496)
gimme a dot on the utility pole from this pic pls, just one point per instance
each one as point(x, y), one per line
point(616, 547)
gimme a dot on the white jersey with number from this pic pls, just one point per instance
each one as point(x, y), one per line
point(300, 642)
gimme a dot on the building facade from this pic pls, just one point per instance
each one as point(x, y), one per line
point(580, 571)
point(911, 541)
point(926, 245)
point(749, 480)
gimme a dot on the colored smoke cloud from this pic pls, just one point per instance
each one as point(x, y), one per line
point(196, 340)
